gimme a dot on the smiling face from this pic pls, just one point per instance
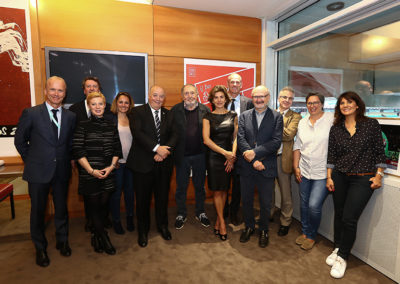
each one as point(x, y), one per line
point(97, 106)
point(189, 95)
point(90, 87)
point(314, 105)
point(348, 107)
point(123, 104)
point(55, 92)
point(260, 96)
point(234, 85)
point(156, 97)
point(219, 100)
point(285, 100)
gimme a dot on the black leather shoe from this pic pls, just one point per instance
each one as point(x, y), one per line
point(130, 226)
point(142, 240)
point(64, 248)
point(263, 240)
point(96, 243)
point(107, 245)
point(165, 233)
point(283, 230)
point(118, 228)
point(245, 236)
point(234, 219)
point(41, 258)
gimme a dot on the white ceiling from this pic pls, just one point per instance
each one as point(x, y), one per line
point(267, 9)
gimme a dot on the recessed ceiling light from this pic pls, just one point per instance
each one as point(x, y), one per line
point(335, 6)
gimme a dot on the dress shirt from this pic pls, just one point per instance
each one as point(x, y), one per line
point(153, 111)
point(283, 114)
point(260, 116)
point(237, 105)
point(312, 141)
point(361, 153)
point(49, 108)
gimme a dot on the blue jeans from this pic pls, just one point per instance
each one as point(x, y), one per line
point(198, 165)
point(123, 181)
point(312, 196)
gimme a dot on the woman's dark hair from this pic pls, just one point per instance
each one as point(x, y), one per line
point(350, 96)
point(114, 108)
point(216, 89)
point(320, 97)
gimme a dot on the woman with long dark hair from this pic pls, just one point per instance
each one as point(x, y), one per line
point(356, 161)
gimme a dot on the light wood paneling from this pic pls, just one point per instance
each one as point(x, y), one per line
point(187, 33)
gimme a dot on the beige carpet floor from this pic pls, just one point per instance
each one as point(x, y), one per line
point(194, 255)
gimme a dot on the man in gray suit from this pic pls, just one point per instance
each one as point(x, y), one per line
point(44, 139)
point(259, 138)
point(238, 104)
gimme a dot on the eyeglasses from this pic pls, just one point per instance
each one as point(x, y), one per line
point(287, 98)
point(313, 103)
point(260, 97)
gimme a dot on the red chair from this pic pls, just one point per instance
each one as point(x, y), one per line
point(6, 190)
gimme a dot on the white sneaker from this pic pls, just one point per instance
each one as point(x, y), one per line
point(330, 260)
point(339, 267)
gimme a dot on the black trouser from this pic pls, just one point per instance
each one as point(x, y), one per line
point(236, 195)
point(97, 209)
point(350, 197)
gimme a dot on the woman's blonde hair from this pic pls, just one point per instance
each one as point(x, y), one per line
point(95, 95)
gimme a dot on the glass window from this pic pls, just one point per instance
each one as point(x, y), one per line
point(362, 57)
point(311, 14)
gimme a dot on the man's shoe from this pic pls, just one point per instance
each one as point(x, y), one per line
point(41, 258)
point(203, 219)
point(179, 222)
point(118, 228)
point(330, 260)
point(165, 234)
point(130, 226)
point(245, 236)
point(283, 230)
point(64, 248)
point(234, 219)
point(142, 240)
point(263, 240)
point(308, 244)
point(300, 239)
point(339, 268)
point(107, 245)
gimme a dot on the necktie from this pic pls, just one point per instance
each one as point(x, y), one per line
point(233, 105)
point(55, 128)
point(157, 126)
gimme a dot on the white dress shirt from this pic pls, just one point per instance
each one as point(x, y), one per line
point(153, 111)
point(237, 105)
point(312, 141)
point(49, 108)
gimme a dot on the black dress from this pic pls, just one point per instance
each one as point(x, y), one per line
point(222, 127)
point(96, 139)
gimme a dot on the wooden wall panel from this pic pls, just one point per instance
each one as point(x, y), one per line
point(188, 33)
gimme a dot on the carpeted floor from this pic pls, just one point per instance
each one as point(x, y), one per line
point(194, 255)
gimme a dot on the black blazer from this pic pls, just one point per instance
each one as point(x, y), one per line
point(141, 155)
point(40, 149)
point(265, 141)
point(178, 112)
point(80, 110)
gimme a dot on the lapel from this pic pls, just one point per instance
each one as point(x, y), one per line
point(47, 124)
point(150, 116)
point(163, 117)
point(242, 104)
point(63, 124)
point(254, 122)
point(265, 118)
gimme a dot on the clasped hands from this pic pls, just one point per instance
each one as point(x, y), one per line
point(230, 161)
point(249, 156)
point(103, 173)
point(162, 153)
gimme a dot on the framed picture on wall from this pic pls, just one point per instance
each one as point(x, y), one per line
point(391, 136)
point(205, 74)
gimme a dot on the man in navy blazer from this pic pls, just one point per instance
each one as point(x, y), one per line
point(44, 139)
point(259, 138)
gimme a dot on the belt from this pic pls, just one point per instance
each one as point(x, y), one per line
point(360, 174)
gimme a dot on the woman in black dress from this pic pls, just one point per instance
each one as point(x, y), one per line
point(96, 146)
point(219, 134)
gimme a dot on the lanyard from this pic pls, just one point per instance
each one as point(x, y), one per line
point(52, 119)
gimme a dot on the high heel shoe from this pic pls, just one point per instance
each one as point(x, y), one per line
point(223, 237)
point(216, 232)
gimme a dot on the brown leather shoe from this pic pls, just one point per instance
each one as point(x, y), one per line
point(300, 239)
point(308, 244)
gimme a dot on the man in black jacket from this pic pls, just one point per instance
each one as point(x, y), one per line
point(190, 154)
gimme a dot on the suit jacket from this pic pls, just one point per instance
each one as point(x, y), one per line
point(141, 155)
point(265, 141)
point(80, 110)
point(290, 123)
point(178, 112)
point(43, 154)
point(245, 104)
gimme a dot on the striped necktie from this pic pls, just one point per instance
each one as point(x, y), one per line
point(157, 126)
point(55, 128)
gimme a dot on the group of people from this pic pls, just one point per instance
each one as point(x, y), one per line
point(240, 141)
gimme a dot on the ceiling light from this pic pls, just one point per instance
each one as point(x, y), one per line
point(335, 6)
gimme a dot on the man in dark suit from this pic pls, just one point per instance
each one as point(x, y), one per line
point(259, 138)
point(238, 104)
point(189, 155)
point(154, 138)
point(81, 109)
point(44, 140)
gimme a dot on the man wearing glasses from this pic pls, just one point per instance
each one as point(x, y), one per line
point(285, 159)
point(259, 138)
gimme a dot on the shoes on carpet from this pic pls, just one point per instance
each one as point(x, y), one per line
point(330, 260)
point(118, 228)
point(283, 230)
point(263, 240)
point(64, 248)
point(245, 236)
point(179, 222)
point(142, 240)
point(300, 239)
point(338, 268)
point(41, 258)
point(165, 233)
point(203, 219)
point(106, 244)
point(307, 244)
